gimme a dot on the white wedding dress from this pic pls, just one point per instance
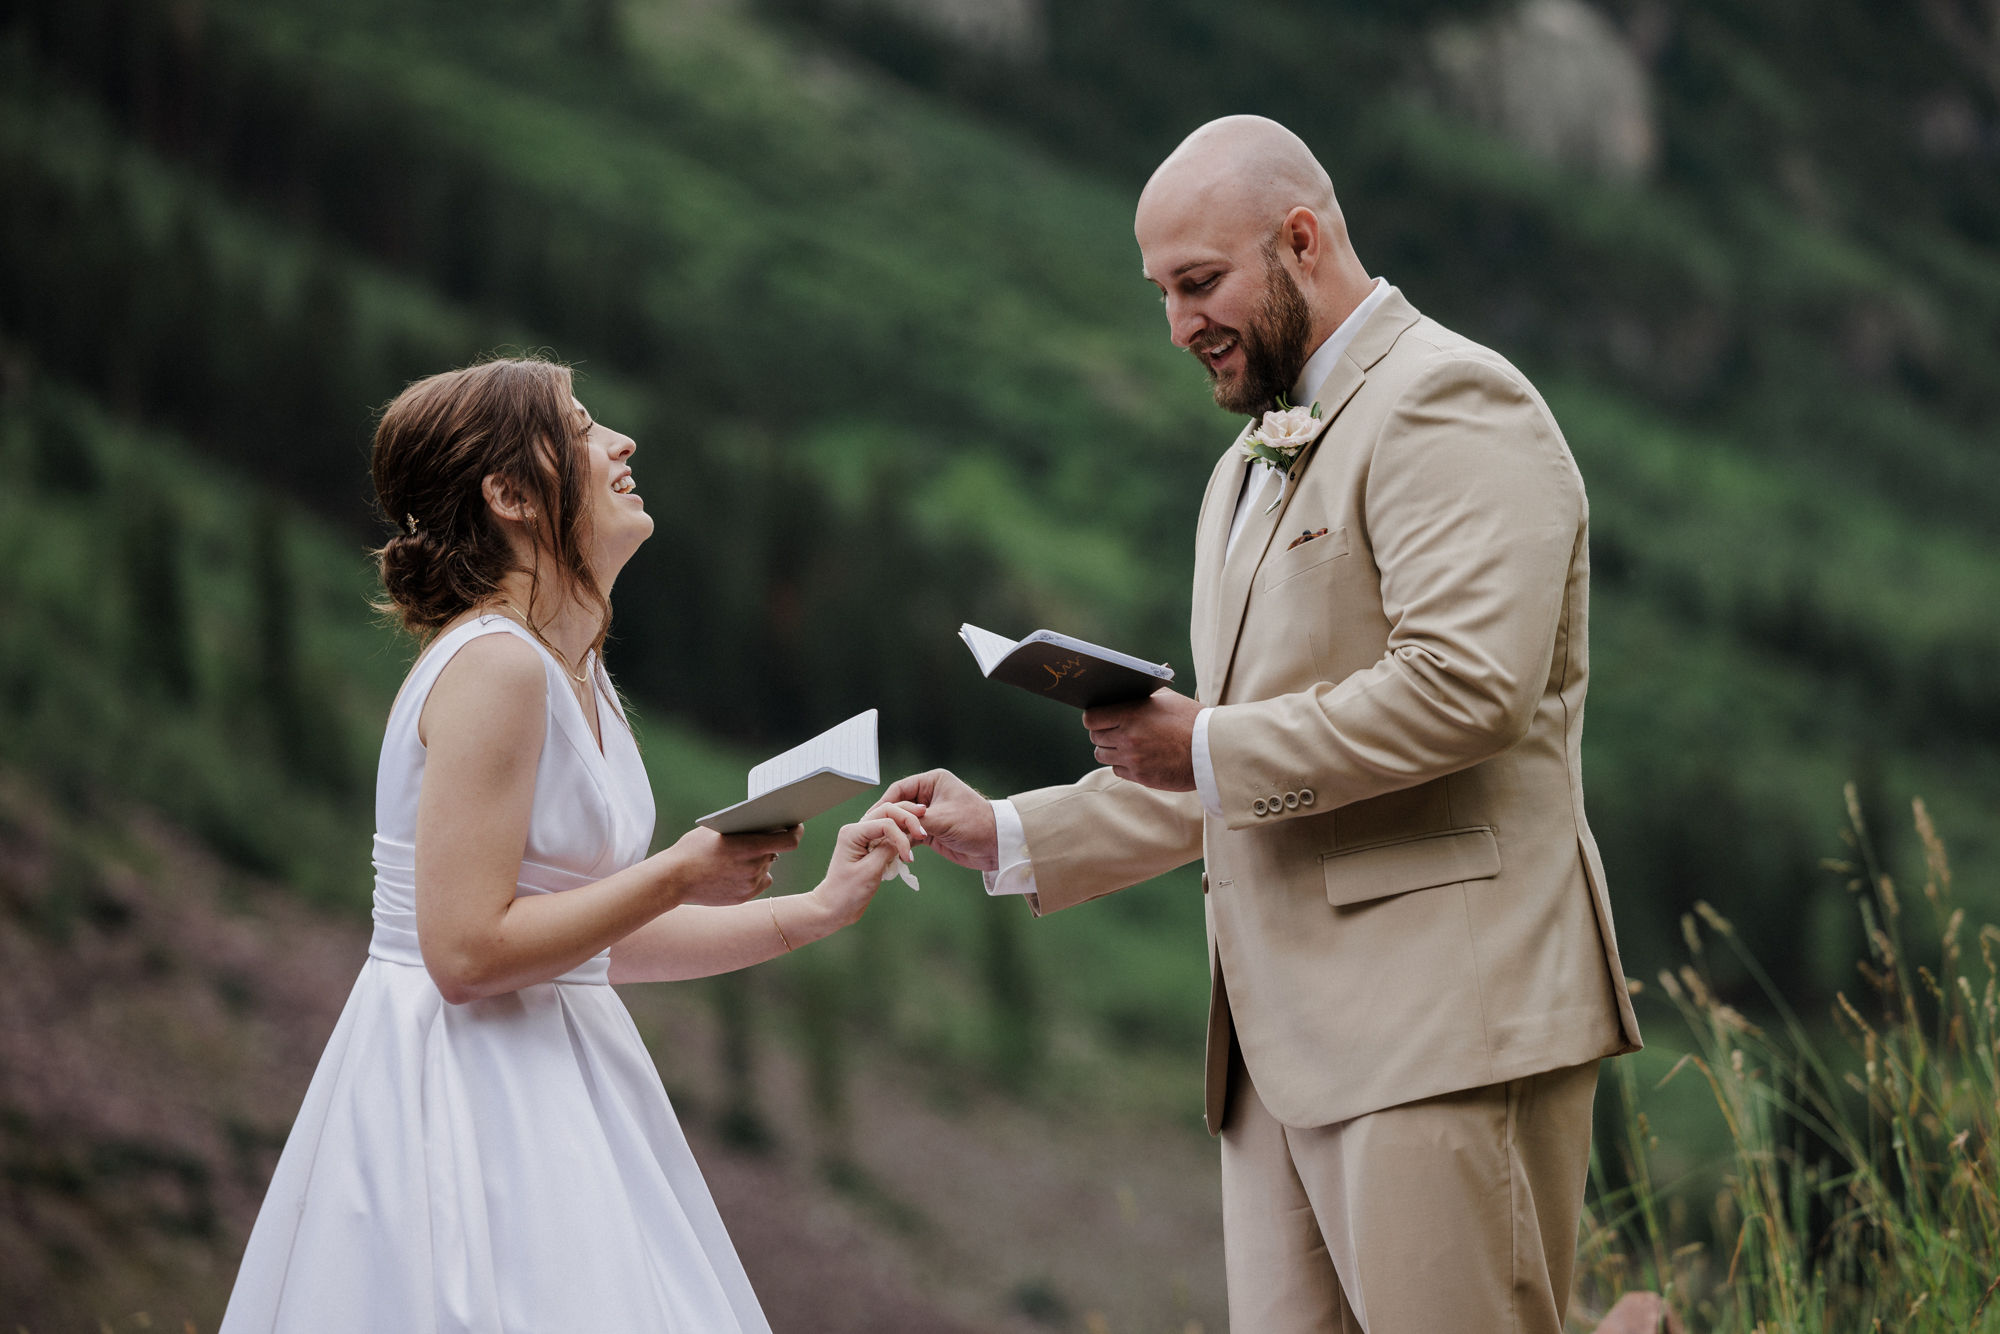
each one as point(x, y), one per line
point(508, 1166)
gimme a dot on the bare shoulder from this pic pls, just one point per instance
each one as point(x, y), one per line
point(494, 686)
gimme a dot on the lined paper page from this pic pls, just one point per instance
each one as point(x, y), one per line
point(848, 749)
point(987, 647)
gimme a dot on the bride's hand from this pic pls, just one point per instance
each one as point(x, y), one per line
point(866, 851)
point(724, 869)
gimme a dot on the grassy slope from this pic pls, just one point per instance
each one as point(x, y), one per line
point(1768, 624)
point(86, 718)
point(979, 297)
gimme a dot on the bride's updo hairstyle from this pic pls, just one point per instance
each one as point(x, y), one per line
point(513, 418)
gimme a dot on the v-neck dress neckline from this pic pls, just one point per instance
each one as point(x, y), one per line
point(593, 673)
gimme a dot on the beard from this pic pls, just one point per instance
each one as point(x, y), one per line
point(1274, 347)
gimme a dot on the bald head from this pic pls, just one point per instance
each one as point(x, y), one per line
point(1240, 231)
point(1248, 169)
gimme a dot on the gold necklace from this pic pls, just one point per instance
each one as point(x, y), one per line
point(522, 618)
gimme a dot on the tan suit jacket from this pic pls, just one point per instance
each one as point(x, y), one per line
point(1403, 896)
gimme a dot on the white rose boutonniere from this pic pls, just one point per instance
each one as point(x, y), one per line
point(1278, 440)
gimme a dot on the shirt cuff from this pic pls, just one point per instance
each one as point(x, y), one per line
point(1204, 768)
point(1016, 874)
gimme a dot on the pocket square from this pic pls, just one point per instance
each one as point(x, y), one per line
point(1305, 537)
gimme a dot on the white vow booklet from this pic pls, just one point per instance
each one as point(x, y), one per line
point(1077, 673)
point(806, 780)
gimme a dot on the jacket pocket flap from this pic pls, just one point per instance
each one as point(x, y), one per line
point(1379, 870)
point(1282, 565)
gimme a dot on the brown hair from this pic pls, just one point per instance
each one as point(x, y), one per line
point(508, 417)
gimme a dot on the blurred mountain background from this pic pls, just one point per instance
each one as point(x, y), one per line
point(858, 275)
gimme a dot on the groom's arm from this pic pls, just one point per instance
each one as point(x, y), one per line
point(1062, 845)
point(1473, 511)
point(1102, 833)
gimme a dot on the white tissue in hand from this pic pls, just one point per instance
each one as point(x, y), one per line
point(903, 873)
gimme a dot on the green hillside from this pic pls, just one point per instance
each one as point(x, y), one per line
point(869, 302)
point(875, 347)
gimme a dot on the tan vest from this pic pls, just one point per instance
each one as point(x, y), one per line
point(1404, 898)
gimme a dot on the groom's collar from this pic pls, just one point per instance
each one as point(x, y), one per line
point(1320, 364)
point(1362, 339)
point(1384, 327)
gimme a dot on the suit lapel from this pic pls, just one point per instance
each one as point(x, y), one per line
point(1233, 597)
point(1218, 507)
point(1370, 343)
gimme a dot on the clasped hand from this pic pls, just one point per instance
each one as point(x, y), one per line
point(1149, 741)
point(724, 869)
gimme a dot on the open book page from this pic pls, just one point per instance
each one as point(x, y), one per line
point(847, 749)
point(805, 781)
point(987, 648)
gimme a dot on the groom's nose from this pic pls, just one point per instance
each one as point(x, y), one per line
point(1184, 321)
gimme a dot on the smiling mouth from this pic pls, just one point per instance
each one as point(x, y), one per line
point(625, 486)
point(1214, 354)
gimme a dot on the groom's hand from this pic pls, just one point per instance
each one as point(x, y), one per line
point(1150, 741)
point(959, 820)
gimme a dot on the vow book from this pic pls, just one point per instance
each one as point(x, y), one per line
point(1070, 670)
point(806, 780)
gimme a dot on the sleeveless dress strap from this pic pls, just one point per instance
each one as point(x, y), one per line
point(431, 662)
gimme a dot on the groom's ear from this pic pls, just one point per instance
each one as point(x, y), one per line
point(1303, 235)
point(505, 499)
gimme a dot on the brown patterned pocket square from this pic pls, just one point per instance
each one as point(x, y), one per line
point(1305, 537)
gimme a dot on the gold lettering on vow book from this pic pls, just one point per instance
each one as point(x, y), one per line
point(1060, 667)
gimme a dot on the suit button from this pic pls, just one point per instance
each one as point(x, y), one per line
point(1291, 801)
point(1305, 796)
point(1260, 807)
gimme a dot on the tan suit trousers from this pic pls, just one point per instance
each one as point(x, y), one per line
point(1455, 1213)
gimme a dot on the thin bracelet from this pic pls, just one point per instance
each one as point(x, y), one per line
point(780, 925)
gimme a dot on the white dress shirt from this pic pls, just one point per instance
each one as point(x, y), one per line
point(1016, 873)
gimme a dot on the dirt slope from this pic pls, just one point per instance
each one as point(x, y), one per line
point(160, 1016)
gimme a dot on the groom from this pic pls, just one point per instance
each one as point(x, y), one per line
point(1413, 969)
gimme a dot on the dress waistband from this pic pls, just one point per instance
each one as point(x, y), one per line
point(395, 938)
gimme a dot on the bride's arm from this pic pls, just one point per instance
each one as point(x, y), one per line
point(482, 728)
point(700, 942)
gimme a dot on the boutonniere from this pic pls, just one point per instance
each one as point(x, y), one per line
point(1278, 440)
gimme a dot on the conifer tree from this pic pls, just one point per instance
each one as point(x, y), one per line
point(824, 1005)
point(601, 25)
point(1016, 1035)
point(158, 648)
point(278, 692)
point(308, 737)
point(742, 1124)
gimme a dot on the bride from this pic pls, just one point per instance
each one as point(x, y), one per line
point(486, 1145)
